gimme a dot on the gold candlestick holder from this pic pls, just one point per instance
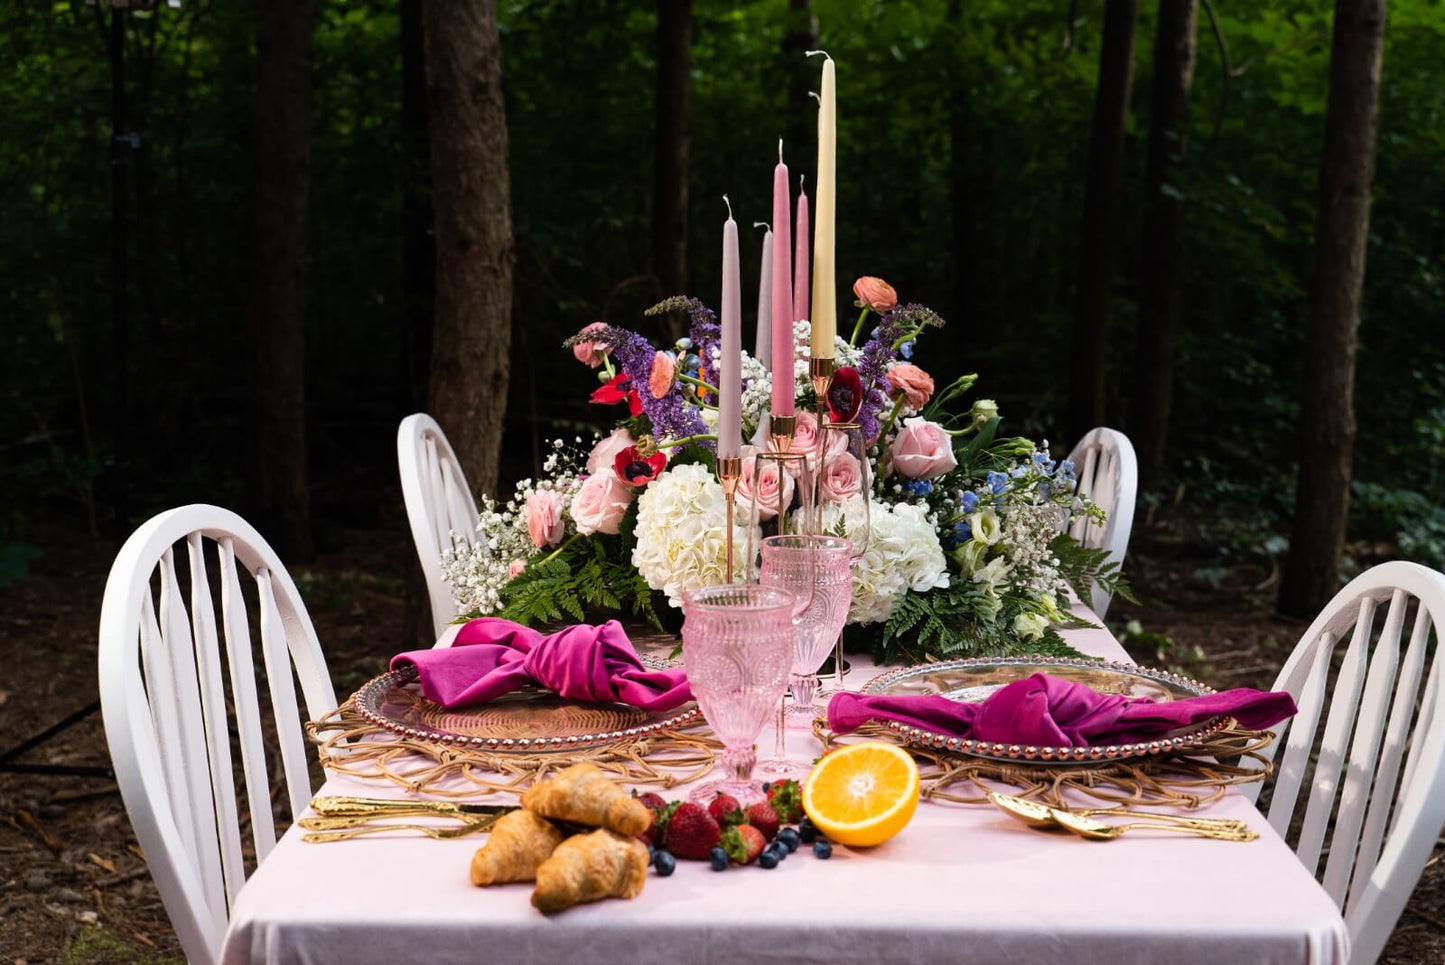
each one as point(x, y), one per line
point(781, 429)
point(820, 372)
point(729, 473)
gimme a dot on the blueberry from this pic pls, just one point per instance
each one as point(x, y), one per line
point(651, 853)
point(768, 859)
point(719, 859)
point(780, 850)
point(823, 848)
point(789, 839)
point(664, 863)
point(767, 786)
point(807, 832)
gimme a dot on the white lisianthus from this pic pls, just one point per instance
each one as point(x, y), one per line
point(1031, 626)
point(986, 527)
point(681, 542)
point(994, 574)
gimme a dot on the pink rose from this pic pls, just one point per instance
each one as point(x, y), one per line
point(771, 483)
point(590, 353)
point(842, 477)
point(515, 568)
point(600, 504)
point(913, 383)
point(805, 436)
point(664, 372)
point(922, 450)
point(545, 523)
point(876, 294)
point(606, 450)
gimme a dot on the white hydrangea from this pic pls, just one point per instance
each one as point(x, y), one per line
point(681, 519)
point(903, 554)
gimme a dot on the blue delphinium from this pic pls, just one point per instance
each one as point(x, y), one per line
point(969, 501)
point(919, 487)
point(997, 482)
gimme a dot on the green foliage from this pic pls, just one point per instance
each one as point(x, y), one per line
point(1415, 522)
point(1086, 568)
point(583, 576)
point(945, 624)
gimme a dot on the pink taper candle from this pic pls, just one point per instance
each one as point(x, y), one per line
point(730, 376)
point(802, 281)
point(782, 297)
point(763, 347)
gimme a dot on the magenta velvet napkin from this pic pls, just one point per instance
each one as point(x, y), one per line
point(492, 657)
point(1046, 711)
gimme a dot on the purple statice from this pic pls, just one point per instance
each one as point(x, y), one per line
point(879, 353)
point(671, 416)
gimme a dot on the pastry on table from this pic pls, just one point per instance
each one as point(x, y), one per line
point(520, 841)
point(590, 867)
point(583, 794)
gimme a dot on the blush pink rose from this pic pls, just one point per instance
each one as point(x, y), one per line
point(922, 450)
point(875, 293)
point(605, 452)
point(915, 385)
point(515, 568)
point(545, 522)
point(590, 353)
point(664, 373)
point(771, 483)
point(805, 437)
point(600, 503)
point(842, 477)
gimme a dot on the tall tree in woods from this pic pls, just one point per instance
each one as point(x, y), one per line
point(1160, 277)
point(1098, 237)
point(418, 254)
point(1327, 410)
point(276, 338)
point(471, 197)
point(800, 119)
point(669, 195)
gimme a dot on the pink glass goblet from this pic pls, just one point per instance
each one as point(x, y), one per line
point(816, 568)
point(737, 646)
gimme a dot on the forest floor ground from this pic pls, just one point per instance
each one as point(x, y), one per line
point(73, 885)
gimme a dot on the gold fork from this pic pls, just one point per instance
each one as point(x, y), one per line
point(440, 834)
point(1038, 815)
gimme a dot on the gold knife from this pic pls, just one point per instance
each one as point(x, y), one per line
point(338, 806)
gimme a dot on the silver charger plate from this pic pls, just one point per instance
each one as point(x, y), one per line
point(529, 720)
point(973, 679)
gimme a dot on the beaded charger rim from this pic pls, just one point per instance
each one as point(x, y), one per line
point(348, 743)
point(1187, 778)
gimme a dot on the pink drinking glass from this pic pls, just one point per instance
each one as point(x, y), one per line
point(737, 646)
point(818, 569)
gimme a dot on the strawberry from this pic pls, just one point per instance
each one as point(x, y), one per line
point(725, 810)
point(743, 843)
point(692, 832)
point(786, 797)
point(764, 817)
point(651, 800)
point(661, 817)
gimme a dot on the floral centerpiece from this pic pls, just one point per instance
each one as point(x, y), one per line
point(968, 549)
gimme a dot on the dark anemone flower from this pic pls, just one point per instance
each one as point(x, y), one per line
point(635, 469)
point(619, 389)
point(845, 395)
point(670, 416)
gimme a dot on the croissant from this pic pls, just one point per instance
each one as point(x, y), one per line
point(520, 841)
point(589, 867)
point(582, 794)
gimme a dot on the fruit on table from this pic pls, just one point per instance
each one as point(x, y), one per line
point(822, 849)
point(719, 859)
point(789, 838)
point(807, 833)
point(664, 863)
point(743, 843)
point(768, 859)
point(862, 794)
point(787, 799)
point(692, 832)
point(725, 809)
point(764, 817)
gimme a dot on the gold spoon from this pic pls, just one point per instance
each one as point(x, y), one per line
point(441, 834)
point(337, 806)
point(1099, 831)
point(1037, 815)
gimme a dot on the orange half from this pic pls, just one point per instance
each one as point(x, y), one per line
point(862, 794)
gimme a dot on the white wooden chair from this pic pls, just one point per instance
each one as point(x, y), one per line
point(163, 697)
point(439, 505)
point(1386, 817)
point(1108, 473)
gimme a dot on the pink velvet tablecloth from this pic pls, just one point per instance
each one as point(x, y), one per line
point(960, 884)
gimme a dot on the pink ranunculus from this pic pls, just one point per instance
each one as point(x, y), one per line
point(922, 450)
point(600, 504)
point(606, 450)
point(842, 477)
point(664, 373)
point(515, 568)
point(771, 483)
point(914, 384)
point(875, 293)
point(590, 353)
point(545, 521)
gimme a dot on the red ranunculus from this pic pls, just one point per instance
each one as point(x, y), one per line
point(636, 469)
point(845, 395)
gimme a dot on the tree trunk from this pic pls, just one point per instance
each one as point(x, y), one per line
point(1160, 278)
point(1327, 411)
point(1101, 203)
point(800, 132)
point(471, 197)
point(418, 253)
point(669, 198)
point(280, 486)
